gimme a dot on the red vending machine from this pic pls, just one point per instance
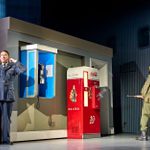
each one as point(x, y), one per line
point(83, 103)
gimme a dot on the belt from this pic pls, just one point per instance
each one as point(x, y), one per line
point(147, 100)
point(6, 83)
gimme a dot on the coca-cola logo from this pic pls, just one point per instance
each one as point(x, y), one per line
point(94, 74)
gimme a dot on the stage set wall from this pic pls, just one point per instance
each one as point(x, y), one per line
point(50, 119)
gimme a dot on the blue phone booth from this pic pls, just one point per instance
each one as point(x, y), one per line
point(39, 78)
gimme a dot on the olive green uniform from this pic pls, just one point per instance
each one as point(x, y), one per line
point(145, 92)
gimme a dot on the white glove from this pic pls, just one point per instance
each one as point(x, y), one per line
point(12, 60)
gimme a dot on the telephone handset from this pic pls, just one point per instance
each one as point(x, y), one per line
point(41, 79)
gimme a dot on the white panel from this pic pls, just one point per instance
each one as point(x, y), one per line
point(85, 77)
point(85, 98)
point(77, 72)
point(39, 47)
point(38, 135)
point(103, 74)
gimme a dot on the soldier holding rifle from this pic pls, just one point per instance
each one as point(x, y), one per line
point(145, 95)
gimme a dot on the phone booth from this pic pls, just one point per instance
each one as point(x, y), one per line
point(39, 78)
point(83, 103)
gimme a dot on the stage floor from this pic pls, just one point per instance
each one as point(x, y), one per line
point(115, 142)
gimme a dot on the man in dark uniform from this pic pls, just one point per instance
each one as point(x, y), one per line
point(145, 95)
point(9, 69)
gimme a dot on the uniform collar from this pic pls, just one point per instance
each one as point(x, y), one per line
point(8, 65)
point(5, 64)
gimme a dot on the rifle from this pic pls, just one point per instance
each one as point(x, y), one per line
point(135, 96)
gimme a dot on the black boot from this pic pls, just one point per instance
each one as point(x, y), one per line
point(143, 136)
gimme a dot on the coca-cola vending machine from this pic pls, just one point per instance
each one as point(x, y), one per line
point(83, 103)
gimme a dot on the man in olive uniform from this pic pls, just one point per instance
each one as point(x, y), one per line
point(145, 95)
point(9, 69)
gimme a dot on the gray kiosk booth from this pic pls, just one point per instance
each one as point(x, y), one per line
point(39, 111)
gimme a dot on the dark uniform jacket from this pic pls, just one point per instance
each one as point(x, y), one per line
point(7, 77)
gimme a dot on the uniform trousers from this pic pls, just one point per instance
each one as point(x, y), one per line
point(5, 115)
point(145, 116)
